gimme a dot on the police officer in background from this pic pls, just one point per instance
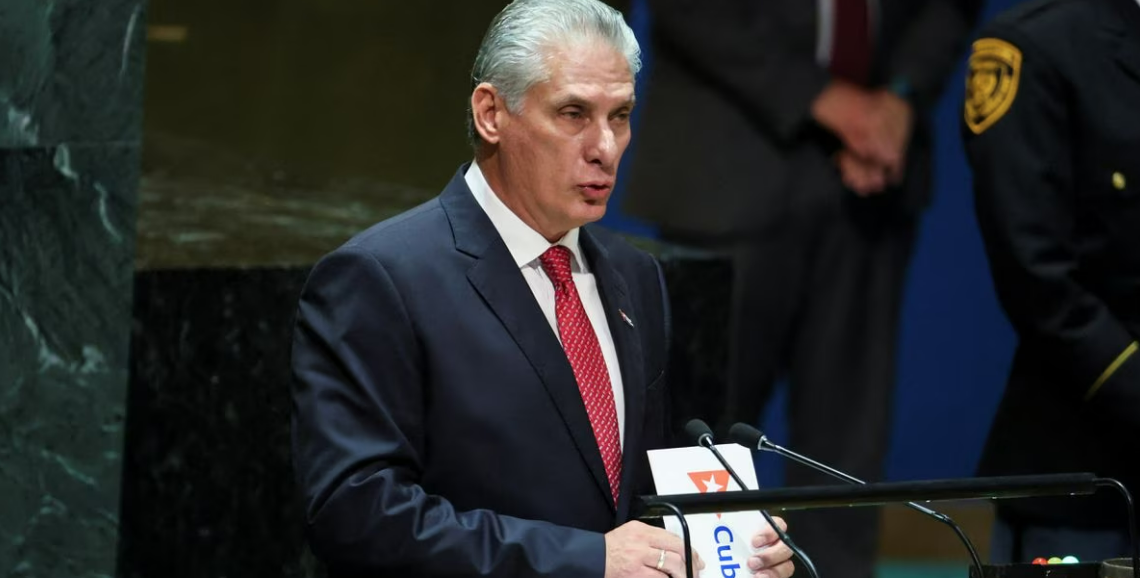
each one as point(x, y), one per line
point(1052, 131)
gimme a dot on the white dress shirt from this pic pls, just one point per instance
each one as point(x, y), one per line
point(526, 246)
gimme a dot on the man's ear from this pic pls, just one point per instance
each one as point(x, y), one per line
point(488, 111)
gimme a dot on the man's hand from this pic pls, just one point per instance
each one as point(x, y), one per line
point(850, 112)
point(634, 549)
point(860, 175)
point(897, 118)
point(774, 558)
point(874, 125)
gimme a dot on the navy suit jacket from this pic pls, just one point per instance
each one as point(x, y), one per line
point(438, 429)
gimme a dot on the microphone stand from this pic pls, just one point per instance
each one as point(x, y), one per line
point(1111, 483)
point(767, 445)
point(880, 493)
point(706, 442)
point(684, 535)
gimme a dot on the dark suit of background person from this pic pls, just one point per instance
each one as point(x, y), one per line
point(487, 413)
point(1052, 132)
point(729, 157)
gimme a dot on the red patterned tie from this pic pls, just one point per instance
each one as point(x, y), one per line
point(585, 355)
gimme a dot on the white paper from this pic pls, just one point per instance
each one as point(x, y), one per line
point(723, 541)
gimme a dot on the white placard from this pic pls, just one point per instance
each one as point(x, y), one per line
point(723, 541)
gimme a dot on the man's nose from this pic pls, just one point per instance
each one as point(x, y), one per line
point(603, 145)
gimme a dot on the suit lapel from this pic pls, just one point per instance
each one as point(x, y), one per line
point(616, 302)
point(499, 282)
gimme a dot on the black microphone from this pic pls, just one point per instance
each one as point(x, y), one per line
point(700, 432)
point(751, 437)
point(702, 435)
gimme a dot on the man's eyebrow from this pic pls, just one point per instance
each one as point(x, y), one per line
point(575, 100)
point(572, 100)
point(625, 107)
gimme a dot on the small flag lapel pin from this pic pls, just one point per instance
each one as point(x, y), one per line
point(625, 318)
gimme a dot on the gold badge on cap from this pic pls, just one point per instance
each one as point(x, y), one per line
point(991, 83)
point(1118, 181)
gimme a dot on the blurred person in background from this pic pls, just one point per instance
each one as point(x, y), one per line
point(1052, 132)
point(794, 136)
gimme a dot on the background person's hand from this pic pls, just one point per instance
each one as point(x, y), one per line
point(897, 121)
point(874, 125)
point(862, 176)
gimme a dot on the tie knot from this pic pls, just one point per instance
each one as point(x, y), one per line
point(556, 263)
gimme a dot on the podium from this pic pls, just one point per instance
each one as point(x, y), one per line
point(883, 493)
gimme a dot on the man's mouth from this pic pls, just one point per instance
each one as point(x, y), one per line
point(595, 188)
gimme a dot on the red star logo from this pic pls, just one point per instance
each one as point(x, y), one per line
point(710, 481)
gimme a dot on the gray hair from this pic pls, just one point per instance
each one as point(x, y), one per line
point(512, 55)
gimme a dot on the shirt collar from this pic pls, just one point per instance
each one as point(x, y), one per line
point(524, 243)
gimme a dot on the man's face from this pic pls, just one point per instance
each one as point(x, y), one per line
point(560, 153)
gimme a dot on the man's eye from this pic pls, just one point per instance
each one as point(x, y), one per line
point(572, 114)
point(621, 117)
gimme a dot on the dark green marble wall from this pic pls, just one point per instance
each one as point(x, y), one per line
point(276, 129)
point(70, 109)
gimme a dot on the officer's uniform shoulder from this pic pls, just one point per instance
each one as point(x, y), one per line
point(1038, 21)
point(1046, 36)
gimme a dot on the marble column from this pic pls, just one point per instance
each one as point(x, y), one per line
point(70, 109)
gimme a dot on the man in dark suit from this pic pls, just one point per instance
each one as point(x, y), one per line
point(794, 135)
point(478, 379)
point(1052, 131)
